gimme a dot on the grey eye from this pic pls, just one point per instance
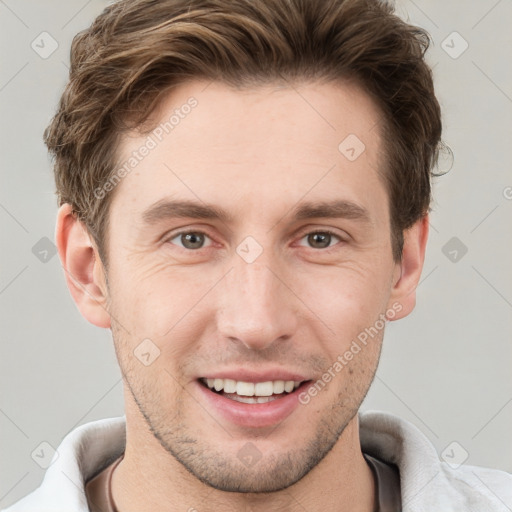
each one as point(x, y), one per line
point(190, 239)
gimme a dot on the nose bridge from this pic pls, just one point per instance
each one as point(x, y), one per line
point(257, 308)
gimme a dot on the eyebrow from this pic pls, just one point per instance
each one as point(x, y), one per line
point(167, 209)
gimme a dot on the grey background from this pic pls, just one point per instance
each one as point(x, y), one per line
point(445, 368)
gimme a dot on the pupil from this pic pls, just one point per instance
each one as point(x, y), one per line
point(192, 240)
point(324, 241)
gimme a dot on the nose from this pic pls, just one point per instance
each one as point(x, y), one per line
point(257, 309)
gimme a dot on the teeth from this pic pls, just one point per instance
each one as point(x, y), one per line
point(244, 388)
point(264, 388)
point(253, 399)
point(229, 386)
point(289, 385)
point(278, 386)
point(261, 390)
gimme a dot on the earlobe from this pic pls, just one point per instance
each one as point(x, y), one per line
point(84, 272)
point(408, 270)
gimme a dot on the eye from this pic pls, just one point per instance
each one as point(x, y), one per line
point(190, 239)
point(194, 240)
point(321, 239)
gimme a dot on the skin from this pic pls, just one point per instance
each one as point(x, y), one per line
point(258, 154)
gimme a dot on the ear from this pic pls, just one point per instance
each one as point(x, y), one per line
point(84, 271)
point(408, 270)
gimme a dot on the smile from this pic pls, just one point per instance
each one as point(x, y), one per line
point(251, 392)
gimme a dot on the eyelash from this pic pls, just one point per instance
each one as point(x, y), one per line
point(321, 231)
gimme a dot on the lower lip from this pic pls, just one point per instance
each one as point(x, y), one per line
point(253, 415)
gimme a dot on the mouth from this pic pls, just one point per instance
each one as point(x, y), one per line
point(250, 398)
point(252, 392)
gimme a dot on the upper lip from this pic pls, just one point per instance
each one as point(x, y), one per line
point(247, 375)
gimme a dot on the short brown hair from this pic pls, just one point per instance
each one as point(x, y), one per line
point(137, 50)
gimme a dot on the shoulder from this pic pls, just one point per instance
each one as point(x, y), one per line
point(426, 481)
point(82, 453)
point(479, 483)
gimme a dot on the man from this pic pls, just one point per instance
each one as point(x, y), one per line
point(244, 191)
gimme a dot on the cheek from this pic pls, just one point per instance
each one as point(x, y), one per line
point(155, 299)
point(352, 290)
point(158, 301)
point(345, 304)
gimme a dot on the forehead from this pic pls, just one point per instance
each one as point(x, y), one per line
point(271, 145)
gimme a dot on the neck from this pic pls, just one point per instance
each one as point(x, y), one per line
point(149, 478)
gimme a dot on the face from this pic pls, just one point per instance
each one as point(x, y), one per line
point(248, 251)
